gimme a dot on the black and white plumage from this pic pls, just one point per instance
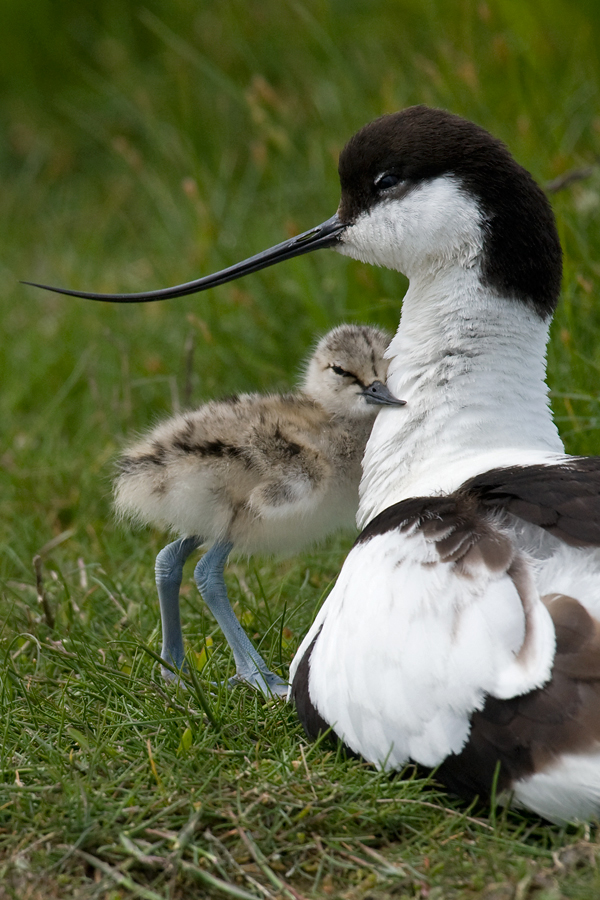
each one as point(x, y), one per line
point(464, 630)
point(258, 474)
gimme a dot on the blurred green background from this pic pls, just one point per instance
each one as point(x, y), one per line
point(146, 144)
point(143, 144)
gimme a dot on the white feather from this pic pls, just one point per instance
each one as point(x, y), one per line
point(408, 648)
point(568, 791)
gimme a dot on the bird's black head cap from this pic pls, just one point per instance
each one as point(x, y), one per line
point(521, 255)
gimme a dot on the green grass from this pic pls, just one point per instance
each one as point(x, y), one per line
point(142, 146)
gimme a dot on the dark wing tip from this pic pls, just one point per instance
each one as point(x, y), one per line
point(109, 298)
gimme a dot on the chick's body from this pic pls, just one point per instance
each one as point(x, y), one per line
point(256, 474)
point(268, 473)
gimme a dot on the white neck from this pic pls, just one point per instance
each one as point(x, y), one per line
point(471, 366)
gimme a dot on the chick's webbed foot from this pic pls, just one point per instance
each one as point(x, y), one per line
point(268, 683)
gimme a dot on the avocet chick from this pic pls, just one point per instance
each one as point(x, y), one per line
point(258, 474)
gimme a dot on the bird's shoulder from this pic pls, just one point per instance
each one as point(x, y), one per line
point(562, 498)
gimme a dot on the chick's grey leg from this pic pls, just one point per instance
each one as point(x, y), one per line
point(249, 664)
point(169, 572)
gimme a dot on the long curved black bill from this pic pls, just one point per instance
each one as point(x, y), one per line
point(324, 235)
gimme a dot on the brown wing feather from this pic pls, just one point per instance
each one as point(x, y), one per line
point(526, 734)
point(564, 499)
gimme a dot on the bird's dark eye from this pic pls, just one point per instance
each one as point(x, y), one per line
point(386, 181)
point(339, 371)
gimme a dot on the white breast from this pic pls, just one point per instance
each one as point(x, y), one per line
point(472, 404)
